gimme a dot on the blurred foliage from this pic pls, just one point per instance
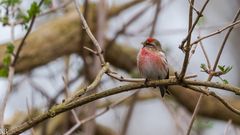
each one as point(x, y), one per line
point(201, 21)
point(18, 15)
point(10, 2)
point(7, 60)
point(202, 124)
point(224, 70)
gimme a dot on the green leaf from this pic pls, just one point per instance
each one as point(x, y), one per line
point(22, 16)
point(34, 10)
point(201, 21)
point(229, 68)
point(3, 72)
point(203, 66)
point(10, 48)
point(225, 81)
point(203, 124)
point(10, 2)
point(47, 2)
point(7, 60)
point(224, 69)
point(221, 67)
point(4, 20)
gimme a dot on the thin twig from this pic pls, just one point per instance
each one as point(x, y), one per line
point(63, 5)
point(229, 106)
point(194, 8)
point(126, 25)
point(194, 115)
point(114, 11)
point(10, 84)
point(20, 46)
point(90, 50)
point(213, 94)
point(66, 85)
point(83, 42)
point(190, 76)
point(211, 76)
point(79, 123)
point(194, 24)
point(29, 116)
point(124, 79)
point(192, 52)
point(92, 85)
point(188, 47)
point(8, 92)
point(87, 29)
point(89, 128)
point(10, 81)
point(154, 22)
point(230, 26)
point(227, 127)
point(129, 113)
point(225, 40)
point(12, 68)
point(53, 100)
point(39, 89)
point(205, 55)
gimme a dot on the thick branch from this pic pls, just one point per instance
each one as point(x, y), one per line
point(55, 110)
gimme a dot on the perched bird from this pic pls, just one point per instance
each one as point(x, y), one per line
point(152, 62)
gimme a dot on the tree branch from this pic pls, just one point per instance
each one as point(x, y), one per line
point(63, 107)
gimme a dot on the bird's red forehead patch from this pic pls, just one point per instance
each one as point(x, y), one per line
point(149, 40)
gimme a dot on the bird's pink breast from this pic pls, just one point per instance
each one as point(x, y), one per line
point(151, 63)
point(147, 55)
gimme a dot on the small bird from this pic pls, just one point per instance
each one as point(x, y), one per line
point(152, 62)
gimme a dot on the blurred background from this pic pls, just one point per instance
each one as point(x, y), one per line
point(54, 50)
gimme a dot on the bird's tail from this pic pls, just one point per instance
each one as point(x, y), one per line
point(163, 90)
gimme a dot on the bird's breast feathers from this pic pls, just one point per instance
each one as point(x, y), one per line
point(152, 63)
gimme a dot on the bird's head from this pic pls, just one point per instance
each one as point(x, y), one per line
point(152, 43)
